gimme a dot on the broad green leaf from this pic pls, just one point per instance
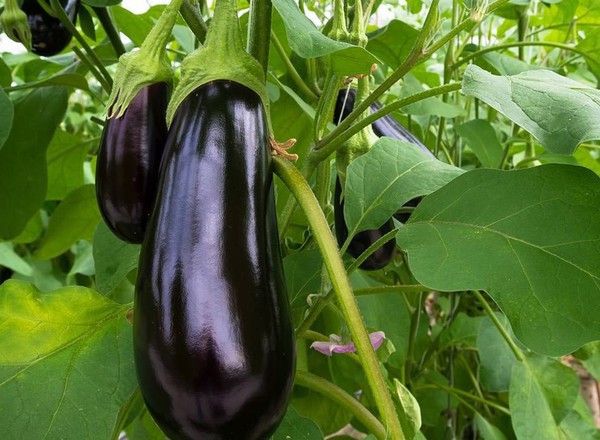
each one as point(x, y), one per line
point(410, 416)
point(487, 430)
point(481, 137)
point(393, 42)
point(393, 172)
point(530, 238)
point(113, 258)
point(377, 310)
point(86, 22)
point(542, 393)
point(23, 157)
point(308, 42)
point(506, 65)
point(6, 117)
point(496, 359)
point(9, 258)
point(33, 230)
point(136, 27)
point(558, 112)
point(585, 159)
point(76, 218)
point(65, 158)
point(66, 364)
point(296, 427)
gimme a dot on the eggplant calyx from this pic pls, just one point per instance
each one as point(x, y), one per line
point(223, 57)
point(14, 22)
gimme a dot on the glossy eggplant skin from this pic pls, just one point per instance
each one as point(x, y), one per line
point(213, 337)
point(361, 241)
point(128, 163)
point(48, 35)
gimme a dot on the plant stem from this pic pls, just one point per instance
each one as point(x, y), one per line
point(94, 71)
point(338, 136)
point(341, 285)
point(62, 16)
point(398, 288)
point(292, 70)
point(193, 18)
point(338, 395)
point(459, 392)
point(112, 33)
point(516, 350)
point(517, 44)
point(259, 31)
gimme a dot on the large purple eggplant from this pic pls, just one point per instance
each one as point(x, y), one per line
point(128, 163)
point(213, 338)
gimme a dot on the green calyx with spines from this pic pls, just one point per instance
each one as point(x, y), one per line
point(146, 66)
point(223, 57)
point(14, 22)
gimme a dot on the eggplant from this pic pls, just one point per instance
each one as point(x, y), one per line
point(361, 241)
point(129, 157)
point(212, 331)
point(48, 35)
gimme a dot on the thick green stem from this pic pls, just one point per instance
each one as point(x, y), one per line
point(259, 31)
point(337, 137)
point(292, 72)
point(108, 24)
point(94, 71)
point(517, 44)
point(62, 16)
point(341, 397)
point(193, 18)
point(488, 310)
point(341, 285)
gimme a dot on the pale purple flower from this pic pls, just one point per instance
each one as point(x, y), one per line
point(335, 345)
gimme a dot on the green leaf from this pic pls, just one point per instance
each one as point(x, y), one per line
point(430, 106)
point(542, 393)
point(487, 430)
point(135, 27)
point(66, 363)
point(76, 218)
point(393, 42)
point(481, 137)
point(23, 157)
point(5, 74)
point(113, 258)
point(495, 356)
point(296, 427)
point(9, 258)
point(376, 310)
point(65, 158)
point(591, 46)
point(84, 261)
point(6, 117)
point(393, 172)
point(410, 416)
point(461, 332)
point(64, 79)
point(308, 42)
point(560, 113)
point(86, 22)
point(530, 238)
